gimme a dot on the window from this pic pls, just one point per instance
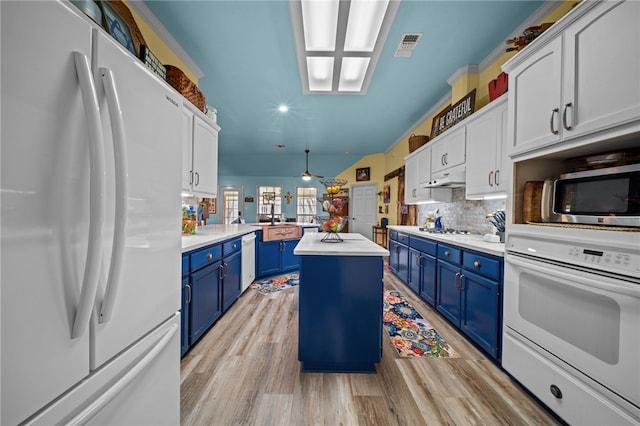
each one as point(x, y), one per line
point(231, 203)
point(268, 196)
point(306, 203)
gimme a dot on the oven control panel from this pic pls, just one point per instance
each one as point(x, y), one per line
point(621, 257)
point(601, 257)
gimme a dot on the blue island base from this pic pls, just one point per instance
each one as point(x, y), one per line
point(340, 313)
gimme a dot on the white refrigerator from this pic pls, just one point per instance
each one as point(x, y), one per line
point(90, 201)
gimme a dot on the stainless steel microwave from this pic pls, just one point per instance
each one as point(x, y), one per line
point(607, 196)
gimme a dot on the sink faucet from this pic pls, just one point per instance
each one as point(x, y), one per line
point(273, 220)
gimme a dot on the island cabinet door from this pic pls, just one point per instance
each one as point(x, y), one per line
point(340, 313)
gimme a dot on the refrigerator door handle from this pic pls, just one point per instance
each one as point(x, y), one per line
point(122, 195)
point(97, 197)
point(94, 408)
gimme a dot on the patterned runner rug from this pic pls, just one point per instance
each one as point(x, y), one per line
point(279, 282)
point(409, 332)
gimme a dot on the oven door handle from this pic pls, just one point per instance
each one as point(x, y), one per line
point(542, 268)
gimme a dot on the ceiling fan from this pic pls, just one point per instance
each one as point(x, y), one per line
point(306, 175)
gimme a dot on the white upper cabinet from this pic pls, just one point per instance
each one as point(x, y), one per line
point(199, 154)
point(411, 179)
point(486, 130)
point(448, 151)
point(578, 78)
point(417, 175)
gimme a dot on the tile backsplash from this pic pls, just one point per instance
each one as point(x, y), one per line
point(465, 214)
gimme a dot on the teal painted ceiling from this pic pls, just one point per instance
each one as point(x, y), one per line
point(247, 54)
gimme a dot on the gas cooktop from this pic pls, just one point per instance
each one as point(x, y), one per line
point(449, 231)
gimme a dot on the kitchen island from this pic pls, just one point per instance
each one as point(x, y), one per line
point(340, 304)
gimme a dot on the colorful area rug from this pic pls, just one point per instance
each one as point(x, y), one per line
point(277, 283)
point(410, 333)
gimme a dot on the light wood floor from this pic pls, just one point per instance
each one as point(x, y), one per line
point(245, 371)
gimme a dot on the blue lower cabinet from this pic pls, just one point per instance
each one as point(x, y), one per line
point(211, 283)
point(469, 294)
point(268, 258)
point(399, 259)
point(428, 274)
point(231, 280)
point(481, 308)
point(275, 257)
point(205, 306)
point(449, 295)
point(413, 280)
point(422, 275)
point(340, 313)
point(288, 260)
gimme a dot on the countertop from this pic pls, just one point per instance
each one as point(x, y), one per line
point(470, 241)
point(211, 234)
point(353, 245)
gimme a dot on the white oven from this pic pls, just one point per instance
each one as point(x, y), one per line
point(572, 320)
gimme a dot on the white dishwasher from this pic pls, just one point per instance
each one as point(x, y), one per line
point(248, 259)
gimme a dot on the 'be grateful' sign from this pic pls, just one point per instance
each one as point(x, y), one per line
point(454, 114)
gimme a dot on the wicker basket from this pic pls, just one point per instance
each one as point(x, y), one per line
point(416, 141)
point(179, 81)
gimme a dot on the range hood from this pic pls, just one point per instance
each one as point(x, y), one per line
point(450, 178)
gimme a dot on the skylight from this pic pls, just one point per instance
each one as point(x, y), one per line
point(338, 42)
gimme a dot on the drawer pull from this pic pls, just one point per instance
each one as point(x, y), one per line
point(476, 263)
point(447, 253)
point(555, 391)
point(209, 256)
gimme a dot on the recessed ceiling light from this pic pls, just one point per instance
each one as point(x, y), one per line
point(279, 145)
point(347, 152)
point(283, 108)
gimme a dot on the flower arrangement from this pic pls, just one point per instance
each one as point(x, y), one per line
point(189, 220)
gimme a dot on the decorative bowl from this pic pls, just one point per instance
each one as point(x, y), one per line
point(331, 226)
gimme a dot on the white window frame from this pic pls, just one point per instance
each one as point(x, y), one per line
point(264, 208)
point(229, 213)
point(306, 204)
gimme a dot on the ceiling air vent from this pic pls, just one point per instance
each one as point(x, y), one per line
point(407, 44)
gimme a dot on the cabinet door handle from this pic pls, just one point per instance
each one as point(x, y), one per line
point(197, 178)
point(490, 178)
point(418, 261)
point(221, 271)
point(476, 264)
point(413, 192)
point(462, 277)
point(188, 287)
point(497, 177)
point(190, 177)
point(553, 113)
point(564, 116)
point(456, 280)
point(446, 158)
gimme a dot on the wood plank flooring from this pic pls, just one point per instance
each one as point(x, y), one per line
point(245, 371)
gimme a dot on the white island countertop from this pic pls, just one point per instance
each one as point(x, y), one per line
point(353, 244)
point(211, 234)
